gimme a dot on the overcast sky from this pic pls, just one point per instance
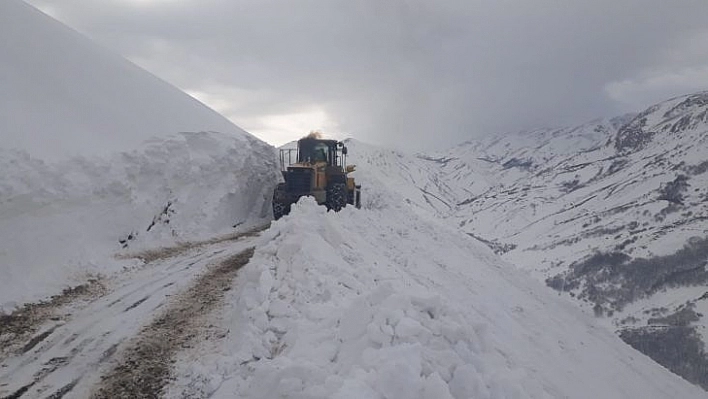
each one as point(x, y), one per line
point(411, 73)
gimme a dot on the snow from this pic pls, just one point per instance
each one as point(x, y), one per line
point(101, 160)
point(61, 222)
point(83, 340)
point(62, 95)
point(94, 150)
point(390, 304)
point(392, 178)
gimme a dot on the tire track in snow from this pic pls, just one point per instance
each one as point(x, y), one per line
point(17, 327)
point(24, 322)
point(145, 366)
point(69, 344)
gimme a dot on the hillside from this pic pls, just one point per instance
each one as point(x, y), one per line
point(63, 95)
point(613, 213)
point(99, 157)
point(621, 226)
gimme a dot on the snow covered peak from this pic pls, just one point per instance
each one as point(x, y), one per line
point(62, 95)
point(507, 157)
point(667, 119)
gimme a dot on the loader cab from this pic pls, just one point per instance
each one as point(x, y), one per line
point(313, 150)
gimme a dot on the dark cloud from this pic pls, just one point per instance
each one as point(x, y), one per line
point(418, 73)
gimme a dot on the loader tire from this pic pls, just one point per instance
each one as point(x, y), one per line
point(280, 204)
point(337, 196)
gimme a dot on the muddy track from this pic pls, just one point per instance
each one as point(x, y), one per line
point(144, 368)
point(62, 347)
point(152, 255)
point(18, 329)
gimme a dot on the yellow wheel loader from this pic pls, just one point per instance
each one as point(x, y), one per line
point(317, 168)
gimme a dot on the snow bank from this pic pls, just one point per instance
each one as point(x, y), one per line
point(62, 95)
point(93, 160)
point(61, 221)
point(384, 304)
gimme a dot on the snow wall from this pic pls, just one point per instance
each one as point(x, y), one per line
point(63, 222)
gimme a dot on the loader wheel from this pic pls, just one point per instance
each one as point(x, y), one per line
point(278, 210)
point(336, 196)
point(280, 204)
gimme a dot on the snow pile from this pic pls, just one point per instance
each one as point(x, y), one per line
point(61, 221)
point(385, 304)
point(63, 95)
point(93, 160)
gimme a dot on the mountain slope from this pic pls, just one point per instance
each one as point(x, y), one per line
point(623, 227)
point(63, 222)
point(154, 166)
point(640, 191)
point(613, 212)
point(63, 95)
point(392, 178)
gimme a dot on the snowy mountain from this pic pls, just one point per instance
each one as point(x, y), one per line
point(65, 221)
point(149, 269)
point(99, 158)
point(612, 212)
point(63, 95)
point(620, 226)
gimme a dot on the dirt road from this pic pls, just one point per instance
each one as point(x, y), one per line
point(116, 337)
